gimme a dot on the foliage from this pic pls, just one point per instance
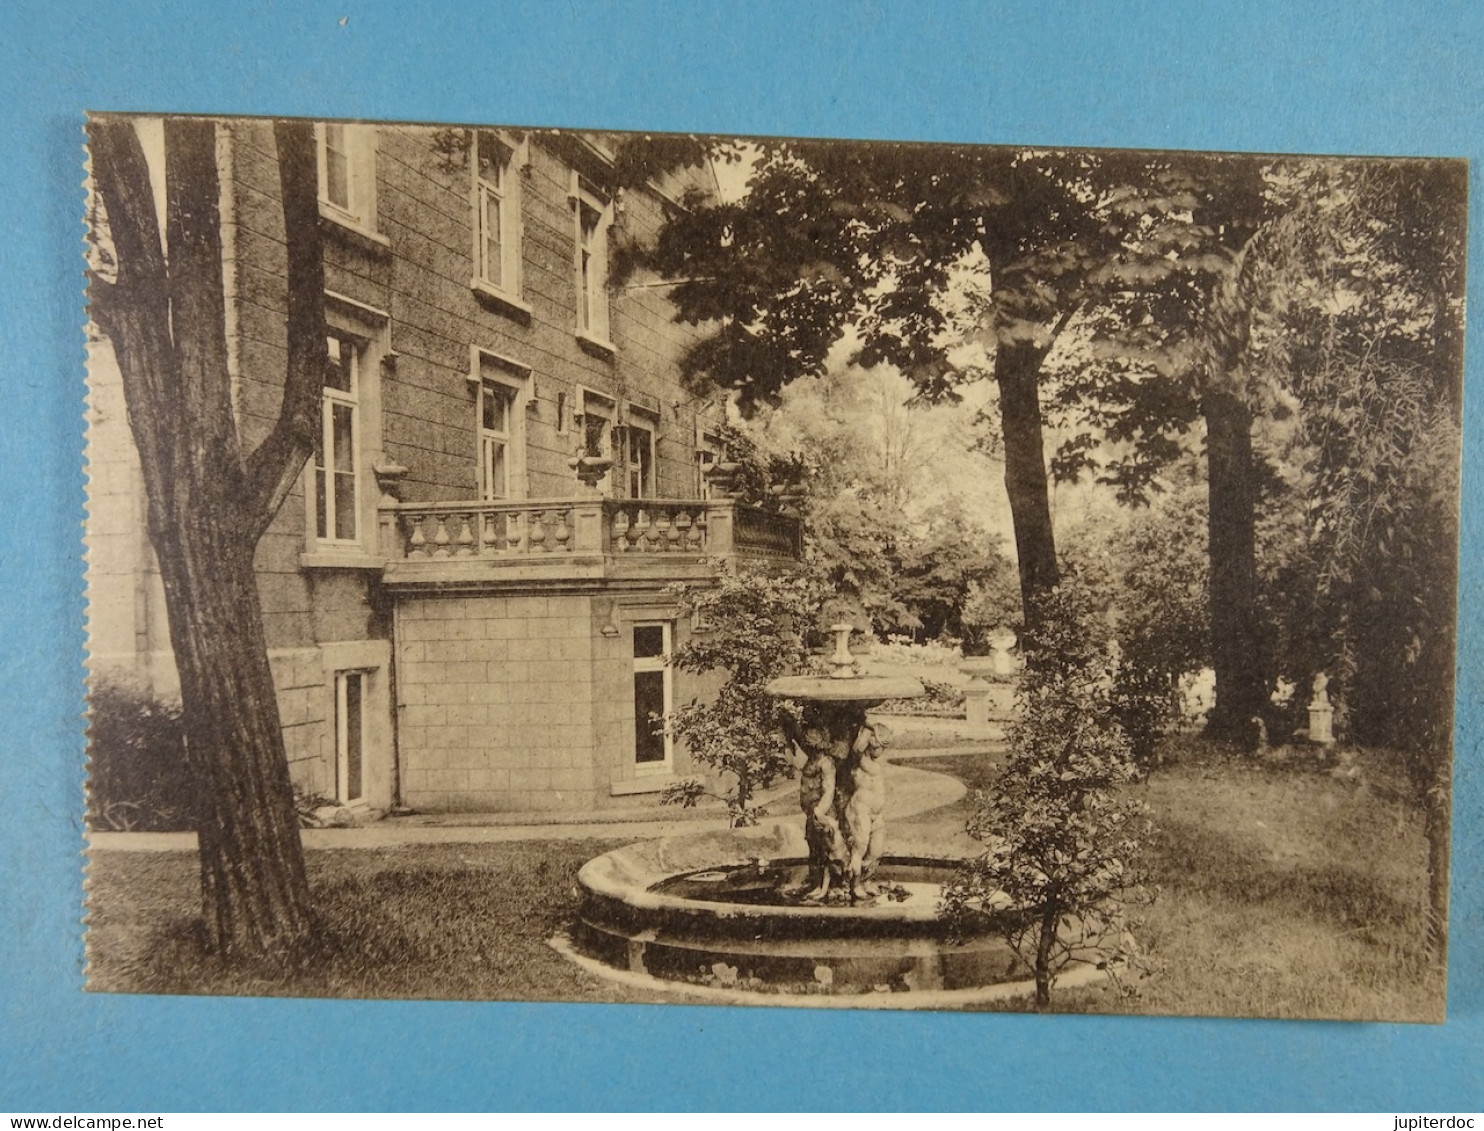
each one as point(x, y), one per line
point(758, 476)
point(990, 604)
point(1145, 568)
point(850, 547)
point(939, 568)
point(754, 627)
point(137, 777)
point(885, 522)
point(928, 654)
point(947, 263)
point(1062, 845)
point(1372, 464)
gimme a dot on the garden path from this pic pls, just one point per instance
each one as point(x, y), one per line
point(910, 791)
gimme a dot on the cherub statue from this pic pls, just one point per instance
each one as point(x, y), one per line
point(818, 797)
point(865, 811)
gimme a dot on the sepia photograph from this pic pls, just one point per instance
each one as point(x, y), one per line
point(532, 564)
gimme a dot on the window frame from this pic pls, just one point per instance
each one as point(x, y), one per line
point(510, 286)
point(487, 369)
point(511, 440)
point(359, 210)
point(341, 682)
point(368, 329)
point(646, 487)
point(649, 664)
point(594, 310)
point(379, 771)
point(324, 462)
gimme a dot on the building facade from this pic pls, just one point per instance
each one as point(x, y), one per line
point(461, 613)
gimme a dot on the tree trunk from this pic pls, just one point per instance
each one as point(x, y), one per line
point(208, 505)
point(254, 893)
point(1233, 585)
point(1044, 943)
point(1017, 371)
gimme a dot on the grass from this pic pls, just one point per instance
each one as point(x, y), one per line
point(448, 921)
point(1283, 893)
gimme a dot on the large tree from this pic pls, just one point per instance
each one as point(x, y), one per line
point(162, 307)
point(1170, 362)
point(885, 242)
point(1307, 282)
point(1374, 360)
point(1320, 338)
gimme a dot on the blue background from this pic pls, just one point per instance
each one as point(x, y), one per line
point(1352, 77)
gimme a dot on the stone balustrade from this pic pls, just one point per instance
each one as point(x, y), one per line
point(655, 526)
point(433, 531)
point(532, 532)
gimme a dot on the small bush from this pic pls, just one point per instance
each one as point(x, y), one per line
point(137, 777)
point(1062, 842)
point(756, 629)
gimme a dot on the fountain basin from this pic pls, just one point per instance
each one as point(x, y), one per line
point(714, 905)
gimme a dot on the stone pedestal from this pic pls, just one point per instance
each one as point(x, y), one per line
point(1322, 725)
point(989, 698)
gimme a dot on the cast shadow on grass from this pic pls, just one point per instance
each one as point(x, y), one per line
point(459, 922)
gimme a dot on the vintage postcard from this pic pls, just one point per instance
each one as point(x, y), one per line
point(537, 564)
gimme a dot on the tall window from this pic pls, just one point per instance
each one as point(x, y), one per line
point(641, 462)
point(653, 694)
point(350, 689)
point(496, 439)
point(592, 262)
point(335, 455)
point(499, 385)
point(707, 448)
point(497, 215)
point(705, 460)
point(347, 170)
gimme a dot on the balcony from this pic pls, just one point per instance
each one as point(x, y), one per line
point(586, 543)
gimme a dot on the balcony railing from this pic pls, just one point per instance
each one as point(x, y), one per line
point(552, 529)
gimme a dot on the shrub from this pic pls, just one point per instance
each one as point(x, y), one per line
point(137, 776)
point(1062, 847)
point(754, 627)
point(1143, 704)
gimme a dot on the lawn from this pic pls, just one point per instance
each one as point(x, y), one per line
point(1283, 893)
point(451, 921)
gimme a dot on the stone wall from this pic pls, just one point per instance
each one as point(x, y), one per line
point(496, 703)
point(524, 703)
point(505, 703)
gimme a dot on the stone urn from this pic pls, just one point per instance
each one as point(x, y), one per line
point(590, 469)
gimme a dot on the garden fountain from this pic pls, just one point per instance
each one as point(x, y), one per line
point(791, 908)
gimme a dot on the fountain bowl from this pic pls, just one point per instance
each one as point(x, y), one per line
point(862, 689)
point(694, 907)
